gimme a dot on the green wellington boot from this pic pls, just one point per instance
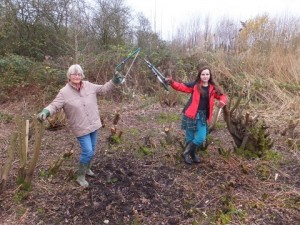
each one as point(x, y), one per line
point(89, 172)
point(194, 157)
point(81, 175)
point(186, 154)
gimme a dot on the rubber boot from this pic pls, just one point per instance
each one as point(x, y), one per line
point(194, 157)
point(89, 172)
point(186, 154)
point(81, 175)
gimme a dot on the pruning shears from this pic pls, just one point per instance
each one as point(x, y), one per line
point(131, 54)
point(158, 74)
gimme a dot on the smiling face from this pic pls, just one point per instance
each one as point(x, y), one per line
point(75, 74)
point(204, 76)
point(75, 78)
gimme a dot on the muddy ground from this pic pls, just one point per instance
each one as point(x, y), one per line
point(143, 180)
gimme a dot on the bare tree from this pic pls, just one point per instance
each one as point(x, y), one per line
point(226, 31)
point(111, 21)
point(207, 34)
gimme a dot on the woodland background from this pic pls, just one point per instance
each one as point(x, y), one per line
point(142, 179)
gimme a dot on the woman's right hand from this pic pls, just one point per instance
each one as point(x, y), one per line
point(168, 80)
point(43, 115)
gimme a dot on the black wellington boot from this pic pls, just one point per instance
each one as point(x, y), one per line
point(194, 157)
point(186, 154)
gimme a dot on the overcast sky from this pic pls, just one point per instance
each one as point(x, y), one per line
point(166, 15)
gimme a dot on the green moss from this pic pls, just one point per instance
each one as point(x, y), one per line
point(20, 180)
point(114, 139)
point(246, 153)
point(224, 219)
point(224, 215)
point(20, 196)
point(132, 131)
point(167, 118)
point(135, 221)
point(20, 211)
point(142, 118)
point(5, 118)
point(292, 202)
point(187, 203)
point(272, 156)
point(264, 172)
point(41, 211)
point(43, 173)
point(145, 151)
point(195, 223)
point(259, 143)
point(113, 180)
point(220, 125)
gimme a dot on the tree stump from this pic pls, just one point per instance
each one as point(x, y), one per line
point(248, 132)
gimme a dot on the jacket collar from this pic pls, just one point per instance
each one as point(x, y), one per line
point(77, 87)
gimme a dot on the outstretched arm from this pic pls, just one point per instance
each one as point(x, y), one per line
point(178, 86)
point(52, 108)
point(101, 89)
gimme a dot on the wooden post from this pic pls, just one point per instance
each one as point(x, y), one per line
point(39, 129)
point(26, 139)
point(215, 118)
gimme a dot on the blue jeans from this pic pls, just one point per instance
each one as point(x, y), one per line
point(88, 145)
point(197, 136)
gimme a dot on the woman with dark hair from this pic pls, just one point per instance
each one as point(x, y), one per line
point(198, 110)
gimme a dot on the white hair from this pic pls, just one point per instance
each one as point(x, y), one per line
point(75, 69)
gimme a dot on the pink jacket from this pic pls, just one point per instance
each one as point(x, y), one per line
point(80, 107)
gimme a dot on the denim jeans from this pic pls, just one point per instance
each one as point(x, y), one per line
point(198, 135)
point(88, 145)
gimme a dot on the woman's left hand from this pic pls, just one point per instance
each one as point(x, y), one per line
point(118, 78)
point(221, 105)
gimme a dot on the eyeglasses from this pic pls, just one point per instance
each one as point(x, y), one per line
point(76, 74)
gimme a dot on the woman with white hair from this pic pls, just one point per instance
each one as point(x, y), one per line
point(78, 99)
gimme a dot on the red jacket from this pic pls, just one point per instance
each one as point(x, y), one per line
point(190, 110)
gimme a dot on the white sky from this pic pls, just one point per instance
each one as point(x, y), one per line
point(166, 15)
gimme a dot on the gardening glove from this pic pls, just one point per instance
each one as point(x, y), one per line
point(118, 78)
point(168, 80)
point(43, 115)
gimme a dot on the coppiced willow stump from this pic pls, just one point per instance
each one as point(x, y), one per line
point(57, 121)
point(4, 171)
point(250, 134)
point(19, 144)
point(290, 130)
point(168, 136)
point(115, 136)
point(170, 99)
point(55, 166)
point(38, 134)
